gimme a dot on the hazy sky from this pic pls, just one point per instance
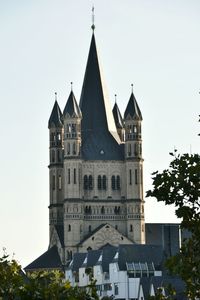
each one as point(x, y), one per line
point(154, 44)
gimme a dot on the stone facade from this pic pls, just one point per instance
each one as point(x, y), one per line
point(87, 193)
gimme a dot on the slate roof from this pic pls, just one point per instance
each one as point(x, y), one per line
point(60, 232)
point(132, 109)
point(175, 282)
point(55, 119)
point(117, 116)
point(92, 258)
point(48, 260)
point(77, 261)
point(140, 253)
point(99, 133)
point(165, 235)
point(108, 254)
point(71, 108)
point(91, 233)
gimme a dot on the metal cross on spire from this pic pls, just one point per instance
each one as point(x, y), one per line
point(132, 88)
point(93, 26)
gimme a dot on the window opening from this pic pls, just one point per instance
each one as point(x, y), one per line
point(74, 176)
point(68, 176)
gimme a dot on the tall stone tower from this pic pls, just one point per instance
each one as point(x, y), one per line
point(96, 169)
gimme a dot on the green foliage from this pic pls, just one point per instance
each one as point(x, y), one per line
point(180, 185)
point(41, 285)
point(11, 278)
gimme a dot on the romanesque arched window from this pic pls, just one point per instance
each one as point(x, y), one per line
point(99, 184)
point(104, 182)
point(90, 182)
point(68, 148)
point(85, 182)
point(53, 155)
point(113, 182)
point(74, 148)
point(118, 182)
point(131, 228)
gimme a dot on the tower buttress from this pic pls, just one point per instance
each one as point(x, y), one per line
point(55, 126)
point(134, 171)
point(72, 169)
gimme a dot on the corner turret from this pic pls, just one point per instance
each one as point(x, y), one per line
point(72, 127)
point(118, 121)
point(55, 126)
point(133, 131)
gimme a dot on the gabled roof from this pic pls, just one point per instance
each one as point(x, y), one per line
point(132, 110)
point(71, 108)
point(55, 119)
point(117, 116)
point(48, 260)
point(91, 233)
point(77, 261)
point(107, 255)
point(92, 258)
point(98, 127)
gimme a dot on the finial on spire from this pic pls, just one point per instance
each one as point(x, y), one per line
point(131, 87)
point(93, 26)
point(55, 96)
point(71, 85)
point(115, 98)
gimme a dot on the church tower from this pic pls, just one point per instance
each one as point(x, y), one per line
point(96, 169)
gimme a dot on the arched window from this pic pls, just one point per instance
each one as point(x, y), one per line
point(85, 182)
point(99, 183)
point(59, 156)
point(104, 182)
point(113, 182)
point(53, 182)
point(131, 228)
point(53, 155)
point(59, 182)
point(136, 176)
point(89, 228)
point(74, 176)
point(69, 227)
point(102, 210)
point(129, 149)
point(136, 149)
point(118, 182)
point(68, 148)
point(74, 148)
point(90, 182)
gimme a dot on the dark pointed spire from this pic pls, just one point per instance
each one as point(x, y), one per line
point(132, 110)
point(94, 102)
point(55, 119)
point(71, 108)
point(117, 116)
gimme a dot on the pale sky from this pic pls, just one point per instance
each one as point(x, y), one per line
point(154, 44)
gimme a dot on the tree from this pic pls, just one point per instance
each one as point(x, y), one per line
point(11, 277)
point(41, 285)
point(180, 185)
